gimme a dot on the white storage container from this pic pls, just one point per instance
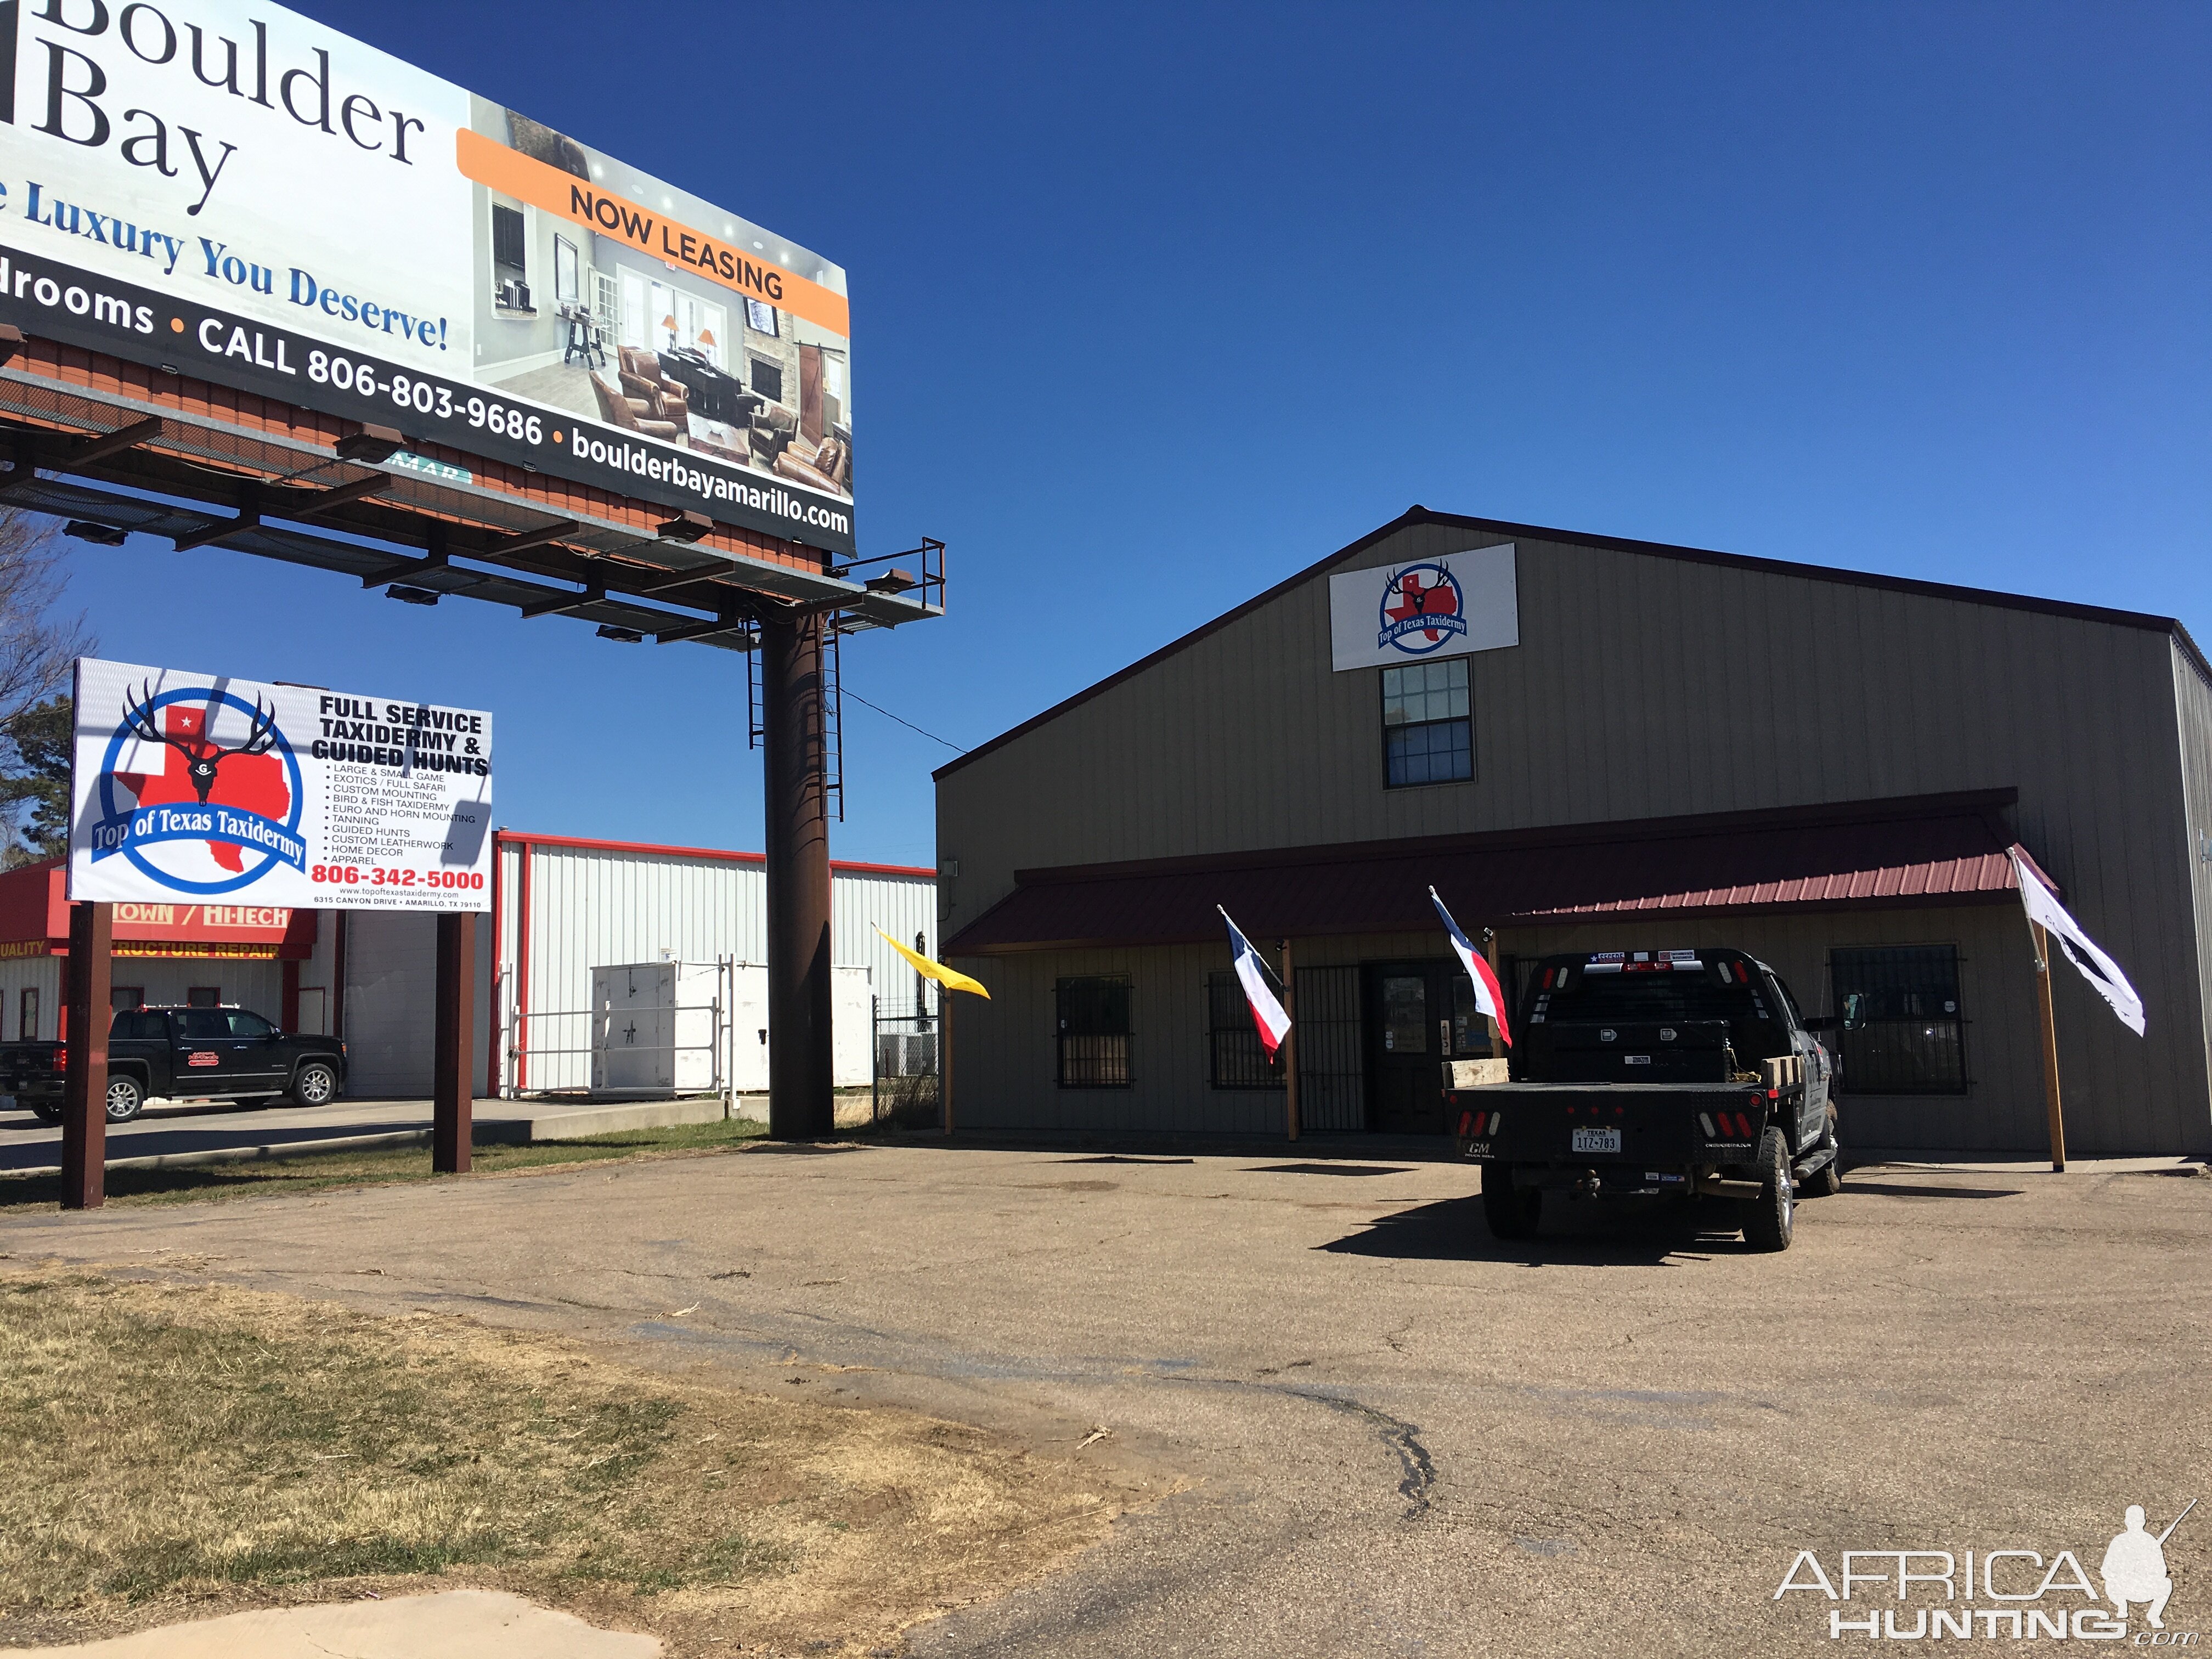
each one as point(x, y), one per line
point(660, 1027)
point(851, 1008)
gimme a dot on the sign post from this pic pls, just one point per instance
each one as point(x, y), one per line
point(2051, 1102)
point(453, 1111)
point(84, 1036)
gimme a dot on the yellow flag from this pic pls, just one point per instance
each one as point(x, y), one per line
point(937, 970)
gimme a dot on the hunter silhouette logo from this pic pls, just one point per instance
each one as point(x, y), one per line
point(222, 792)
point(1423, 607)
point(2009, 1592)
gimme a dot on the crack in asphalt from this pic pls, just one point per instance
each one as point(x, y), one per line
point(1402, 1437)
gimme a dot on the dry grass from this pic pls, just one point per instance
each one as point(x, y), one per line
point(172, 1451)
point(308, 1171)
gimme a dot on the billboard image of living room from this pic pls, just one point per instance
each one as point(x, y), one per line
point(586, 322)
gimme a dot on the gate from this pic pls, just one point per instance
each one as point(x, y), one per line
point(905, 1091)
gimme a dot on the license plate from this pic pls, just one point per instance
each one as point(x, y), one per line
point(1597, 1140)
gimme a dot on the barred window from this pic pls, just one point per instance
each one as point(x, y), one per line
point(1240, 1060)
point(1911, 1035)
point(1094, 1032)
point(1427, 734)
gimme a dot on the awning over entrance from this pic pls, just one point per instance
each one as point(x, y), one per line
point(1880, 854)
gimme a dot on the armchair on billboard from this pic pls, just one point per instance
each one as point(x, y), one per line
point(198, 785)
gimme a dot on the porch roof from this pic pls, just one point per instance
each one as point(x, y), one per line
point(1871, 855)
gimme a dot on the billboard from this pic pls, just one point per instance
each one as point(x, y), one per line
point(243, 195)
point(198, 787)
point(1396, 614)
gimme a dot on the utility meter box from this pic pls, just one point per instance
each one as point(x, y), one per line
point(660, 1027)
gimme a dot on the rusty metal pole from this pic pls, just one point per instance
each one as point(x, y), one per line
point(801, 1106)
point(84, 1099)
point(2052, 1110)
point(453, 1124)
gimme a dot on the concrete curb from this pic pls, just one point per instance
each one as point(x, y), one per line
point(246, 1154)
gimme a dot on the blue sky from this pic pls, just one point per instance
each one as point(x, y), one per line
point(1152, 305)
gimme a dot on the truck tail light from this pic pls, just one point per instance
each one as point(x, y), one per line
point(1497, 1121)
point(1705, 1122)
point(1466, 1124)
point(61, 1059)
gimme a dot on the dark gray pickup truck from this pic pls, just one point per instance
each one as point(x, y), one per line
point(1683, 1072)
point(183, 1054)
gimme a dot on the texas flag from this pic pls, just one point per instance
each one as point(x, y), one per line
point(1252, 973)
point(1487, 996)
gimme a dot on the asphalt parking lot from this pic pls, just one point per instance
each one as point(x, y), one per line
point(1396, 1437)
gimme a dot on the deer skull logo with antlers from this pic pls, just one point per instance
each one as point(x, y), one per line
point(202, 754)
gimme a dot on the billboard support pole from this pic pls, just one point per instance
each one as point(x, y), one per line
point(800, 1104)
point(453, 1109)
point(84, 1099)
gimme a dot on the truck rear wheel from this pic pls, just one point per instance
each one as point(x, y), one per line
point(1770, 1219)
point(1510, 1210)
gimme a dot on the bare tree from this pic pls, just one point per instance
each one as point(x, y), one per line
point(36, 646)
point(36, 649)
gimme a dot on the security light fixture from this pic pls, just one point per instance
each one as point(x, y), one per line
point(100, 535)
point(407, 595)
point(891, 581)
point(621, 636)
point(685, 527)
point(371, 445)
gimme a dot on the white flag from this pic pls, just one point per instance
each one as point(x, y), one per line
point(2101, 970)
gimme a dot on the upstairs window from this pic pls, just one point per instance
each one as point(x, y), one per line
point(1094, 1032)
point(1427, 736)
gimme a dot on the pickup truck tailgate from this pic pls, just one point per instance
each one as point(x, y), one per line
point(1656, 1123)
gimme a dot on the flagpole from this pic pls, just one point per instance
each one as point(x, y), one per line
point(1490, 951)
point(2050, 1103)
point(1289, 1045)
point(944, 1058)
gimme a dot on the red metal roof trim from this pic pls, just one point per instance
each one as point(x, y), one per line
point(719, 855)
point(1947, 850)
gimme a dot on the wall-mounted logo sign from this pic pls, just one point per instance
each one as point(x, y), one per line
point(1445, 607)
point(198, 786)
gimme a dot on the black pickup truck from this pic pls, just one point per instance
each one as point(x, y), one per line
point(1682, 1072)
point(183, 1054)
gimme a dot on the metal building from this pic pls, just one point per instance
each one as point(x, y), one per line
point(1613, 744)
point(561, 906)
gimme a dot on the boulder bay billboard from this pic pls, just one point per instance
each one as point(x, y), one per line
point(187, 786)
point(241, 194)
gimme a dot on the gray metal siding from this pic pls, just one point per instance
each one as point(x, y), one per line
point(1645, 687)
point(595, 907)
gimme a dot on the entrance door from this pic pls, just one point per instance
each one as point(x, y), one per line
point(1418, 1015)
point(1406, 1072)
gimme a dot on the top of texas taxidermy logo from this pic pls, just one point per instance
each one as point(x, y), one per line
point(1452, 605)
